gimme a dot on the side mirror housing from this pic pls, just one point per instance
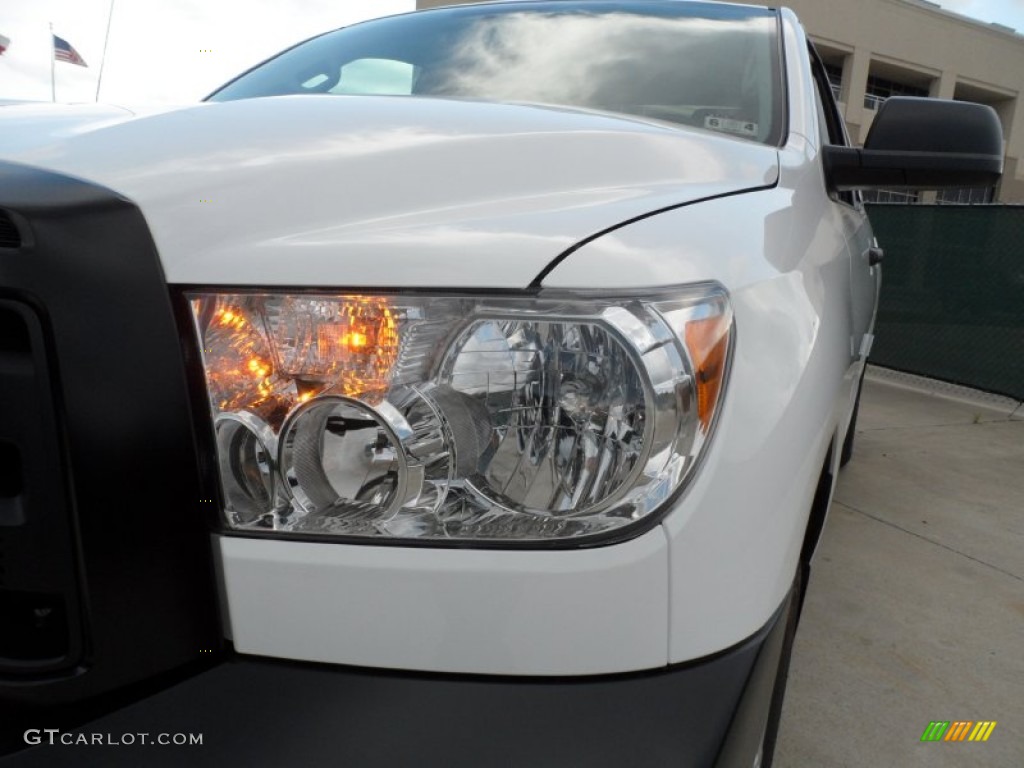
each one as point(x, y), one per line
point(918, 143)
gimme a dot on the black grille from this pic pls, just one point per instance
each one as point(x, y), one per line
point(9, 235)
point(97, 477)
point(14, 338)
point(40, 613)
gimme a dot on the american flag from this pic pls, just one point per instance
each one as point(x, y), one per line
point(62, 51)
point(4, 42)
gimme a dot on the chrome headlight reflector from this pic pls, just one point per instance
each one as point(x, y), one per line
point(459, 418)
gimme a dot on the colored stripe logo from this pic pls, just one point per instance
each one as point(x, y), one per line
point(958, 730)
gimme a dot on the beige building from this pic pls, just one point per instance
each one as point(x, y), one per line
point(878, 48)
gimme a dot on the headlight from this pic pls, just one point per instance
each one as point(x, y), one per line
point(457, 418)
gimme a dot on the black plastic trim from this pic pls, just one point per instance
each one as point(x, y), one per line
point(853, 168)
point(922, 143)
point(10, 233)
point(140, 549)
point(782, 110)
point(261, 712)
point(41, 600)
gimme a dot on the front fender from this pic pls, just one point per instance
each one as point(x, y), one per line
point(735, 535)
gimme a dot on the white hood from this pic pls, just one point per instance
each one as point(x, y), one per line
point(25, 125)
point(378, 191)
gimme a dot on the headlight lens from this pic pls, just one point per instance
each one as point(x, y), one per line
point(459, 418)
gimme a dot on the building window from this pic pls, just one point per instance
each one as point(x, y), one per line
point(964, 196)
point(835, 79)
point(974, 196)
point(890, 196)
point(879, 89)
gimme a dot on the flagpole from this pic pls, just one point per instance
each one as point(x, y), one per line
point(103, 59)
point(53, 59)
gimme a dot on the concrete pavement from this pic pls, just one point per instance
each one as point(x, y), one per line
point(915, 610)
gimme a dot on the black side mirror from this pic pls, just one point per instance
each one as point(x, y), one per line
point(922, 144)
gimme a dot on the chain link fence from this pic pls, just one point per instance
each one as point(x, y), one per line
point(952, 303)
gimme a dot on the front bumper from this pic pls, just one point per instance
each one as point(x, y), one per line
point(259, 712)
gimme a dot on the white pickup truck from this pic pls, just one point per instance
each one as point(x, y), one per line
point(460, 388)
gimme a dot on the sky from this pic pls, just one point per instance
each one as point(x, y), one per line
point(1009, 13)
point(177, 51)
point(159, 51)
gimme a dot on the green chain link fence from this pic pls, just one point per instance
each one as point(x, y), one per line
point(952, 303)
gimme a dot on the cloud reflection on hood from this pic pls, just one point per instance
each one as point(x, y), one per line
point(669, 68)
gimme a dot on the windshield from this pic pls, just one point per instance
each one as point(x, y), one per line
point(710, 66)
